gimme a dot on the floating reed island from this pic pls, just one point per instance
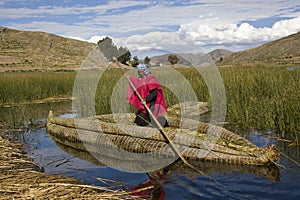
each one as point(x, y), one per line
point(196, 140)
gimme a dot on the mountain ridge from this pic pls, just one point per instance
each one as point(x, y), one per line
point(284, 51)
point(40, 51)
point(188, 59)
point(31, 50)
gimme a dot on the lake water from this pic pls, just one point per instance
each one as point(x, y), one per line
point(176, 181)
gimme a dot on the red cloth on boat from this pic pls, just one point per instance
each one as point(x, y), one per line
point(144, 86)
point(151, 189)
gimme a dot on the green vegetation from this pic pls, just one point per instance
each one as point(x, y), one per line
point(29, 86)
point(173, 59)
point(24, 117)
point(263, 97)
point(147, 60)
point(111, 52)
point(257, 97)
point(135, 61)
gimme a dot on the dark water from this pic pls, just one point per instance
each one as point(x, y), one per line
point(176, 181)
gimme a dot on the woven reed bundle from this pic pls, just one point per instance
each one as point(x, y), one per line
point(177, 136)
point(139, 145)
point(190, 109)
point(230, 148)
point(78, 149)
point(208, 128)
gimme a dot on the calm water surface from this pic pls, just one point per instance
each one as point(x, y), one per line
point(176, 181)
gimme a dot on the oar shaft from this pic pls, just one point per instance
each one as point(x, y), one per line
point(176, 151)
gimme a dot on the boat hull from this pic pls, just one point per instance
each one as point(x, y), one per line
point(194, 140)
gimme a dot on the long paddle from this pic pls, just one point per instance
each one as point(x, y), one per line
point(176, 151)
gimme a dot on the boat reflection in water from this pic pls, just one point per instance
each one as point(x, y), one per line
point(153, 187)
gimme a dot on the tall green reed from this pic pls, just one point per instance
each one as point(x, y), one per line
point(263, 97)
point(30, 115)
point(258, 97)
point(22, 87)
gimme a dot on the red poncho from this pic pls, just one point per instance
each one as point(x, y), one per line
point(144, 86)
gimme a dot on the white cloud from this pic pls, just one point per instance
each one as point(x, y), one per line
point(201, 23)
point(167, 41)
point(218, 23)
point(286, 27)
point(202, 33)
point(96, 38)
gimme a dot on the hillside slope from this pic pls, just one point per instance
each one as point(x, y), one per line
point(192, 59)
point(284, 51)
point(219, 53)
point(29, 51)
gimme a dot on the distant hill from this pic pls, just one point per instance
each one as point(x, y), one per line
point(279, 52)
point(219, 53)
point(28, 50)
point(187, 59)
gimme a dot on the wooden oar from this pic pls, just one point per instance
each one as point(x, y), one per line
point(176, 151)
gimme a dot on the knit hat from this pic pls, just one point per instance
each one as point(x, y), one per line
point(142, 70)
point(142, 66)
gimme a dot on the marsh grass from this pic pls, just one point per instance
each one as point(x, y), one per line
point(264, 97)
point(22, 87)
point(257, 97)
point(30, 115)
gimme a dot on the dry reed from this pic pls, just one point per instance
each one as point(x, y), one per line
point(23, 179)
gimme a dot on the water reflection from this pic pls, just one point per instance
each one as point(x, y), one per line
point(28, 116)
point(270, 172)
point(173, 182)
point(152, 188)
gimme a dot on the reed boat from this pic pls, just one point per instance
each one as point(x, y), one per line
point(117, 137)
point(78, 149)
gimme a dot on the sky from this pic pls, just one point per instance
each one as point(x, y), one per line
point(176, 26)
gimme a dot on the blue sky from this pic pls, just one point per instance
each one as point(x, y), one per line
point(172, 26)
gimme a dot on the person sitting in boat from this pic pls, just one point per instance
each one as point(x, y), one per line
point(150, 90)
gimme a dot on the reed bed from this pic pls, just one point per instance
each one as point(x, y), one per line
point(260, 97)
point(264, 97)
point(27, 116)
point(29, 86)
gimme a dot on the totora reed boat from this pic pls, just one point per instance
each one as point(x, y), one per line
point(117, 137)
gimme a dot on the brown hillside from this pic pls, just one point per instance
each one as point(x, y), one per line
point(188, 59)
point(285, 51)
point(28, 50)
point(217, 54)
